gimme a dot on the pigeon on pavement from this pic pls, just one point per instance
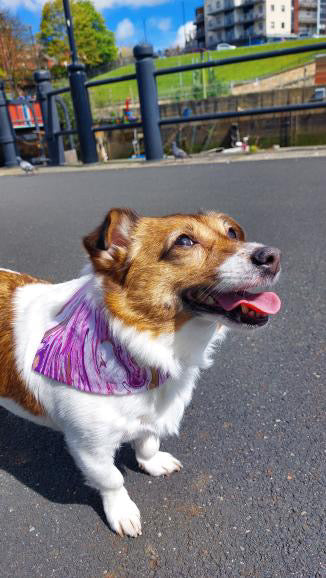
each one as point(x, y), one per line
point(27, 167)
point(178, 153)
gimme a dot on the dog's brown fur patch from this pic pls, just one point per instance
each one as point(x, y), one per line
point(11, 384)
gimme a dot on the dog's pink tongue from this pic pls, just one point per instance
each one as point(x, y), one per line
point(266, 302)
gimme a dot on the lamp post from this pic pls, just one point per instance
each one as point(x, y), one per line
point(7, 134)
point(70, 31)
point(79, 95)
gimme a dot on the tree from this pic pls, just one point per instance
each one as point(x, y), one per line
point(95, 43)
point(18, 56)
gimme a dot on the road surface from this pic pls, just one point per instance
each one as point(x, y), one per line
point(250, 500)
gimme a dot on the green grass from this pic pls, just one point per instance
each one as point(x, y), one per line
point(105, 95)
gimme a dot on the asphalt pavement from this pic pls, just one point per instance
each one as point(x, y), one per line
point(250, 500)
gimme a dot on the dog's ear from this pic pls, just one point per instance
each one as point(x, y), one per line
point(108, 245)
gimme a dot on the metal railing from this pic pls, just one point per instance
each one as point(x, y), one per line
point(242, 59)
point(146, 76)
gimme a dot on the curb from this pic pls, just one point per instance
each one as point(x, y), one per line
point(200, 159)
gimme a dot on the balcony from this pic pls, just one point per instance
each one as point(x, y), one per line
point(249, 17)
point(219, 24)
point(228, 5)
point(222, 6)
point(229, 23)
point(215, 24)
point(215, 10)
point(238, 18)
point(307, 18)
point(259, 16)
point(309, 4)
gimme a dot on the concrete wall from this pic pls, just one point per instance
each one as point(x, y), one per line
point(239, 102)
point(300, 76)
point(285, 129)
point(264, 131)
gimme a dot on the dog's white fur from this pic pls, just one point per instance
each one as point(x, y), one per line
point(94, 426)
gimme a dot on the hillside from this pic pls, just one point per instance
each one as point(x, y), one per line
point(170, 85)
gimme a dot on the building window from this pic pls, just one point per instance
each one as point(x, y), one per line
point(283, 8)
point(272, 7)
point(272, 24)
point(282, 25)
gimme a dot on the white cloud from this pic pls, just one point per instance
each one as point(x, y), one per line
point(185, 31)
point(125, 30)
point(103, 4)
point(31, 5)
point(36, 5)
point(162, 24)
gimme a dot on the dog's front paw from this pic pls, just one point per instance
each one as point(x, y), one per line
point(162, 464)
point(122, 513)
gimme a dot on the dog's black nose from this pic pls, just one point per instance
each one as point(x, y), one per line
point(268, 258)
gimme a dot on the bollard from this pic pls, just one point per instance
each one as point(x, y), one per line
point(83, 115)
point(50, 117)
point(148, 101)
point(7, 135)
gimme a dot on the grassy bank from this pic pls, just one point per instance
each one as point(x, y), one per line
point(104, 95)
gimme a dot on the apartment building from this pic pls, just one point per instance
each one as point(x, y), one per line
point(246, 21)
point(200, 27)
point(309, 17)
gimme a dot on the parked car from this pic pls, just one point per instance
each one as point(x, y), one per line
point(225, 46)
point(319, 95)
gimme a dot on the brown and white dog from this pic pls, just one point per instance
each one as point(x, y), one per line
point(170, 287)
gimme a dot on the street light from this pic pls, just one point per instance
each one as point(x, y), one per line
point(70, 32)
point(79, 95)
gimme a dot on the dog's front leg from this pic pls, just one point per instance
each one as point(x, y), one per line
point(151, 460)
point(97, 464)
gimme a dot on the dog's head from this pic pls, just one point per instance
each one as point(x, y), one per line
point(158, 272)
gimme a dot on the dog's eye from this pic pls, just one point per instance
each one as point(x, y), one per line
point(232, 234)
point(184, 241)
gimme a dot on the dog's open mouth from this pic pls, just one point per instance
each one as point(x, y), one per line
point(240, 307)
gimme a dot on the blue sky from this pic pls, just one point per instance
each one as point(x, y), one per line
point(127, 18)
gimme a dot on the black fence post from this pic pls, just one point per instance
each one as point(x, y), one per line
point(50, 117)
point(148, 101)
point(83, 114)
point(7, 135)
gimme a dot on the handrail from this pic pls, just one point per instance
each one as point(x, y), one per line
point(66, 132)
point(146, 76)
point(58, 91)
point(240, 113)
point(113, 80)
point(121, 126)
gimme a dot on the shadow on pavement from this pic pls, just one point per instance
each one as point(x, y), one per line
point(37, 457)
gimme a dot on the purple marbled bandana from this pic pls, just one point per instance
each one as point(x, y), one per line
point(80, 351)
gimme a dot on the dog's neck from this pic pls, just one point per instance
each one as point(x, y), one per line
point(88, 348)
point(189, 346)
point(79, 349)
